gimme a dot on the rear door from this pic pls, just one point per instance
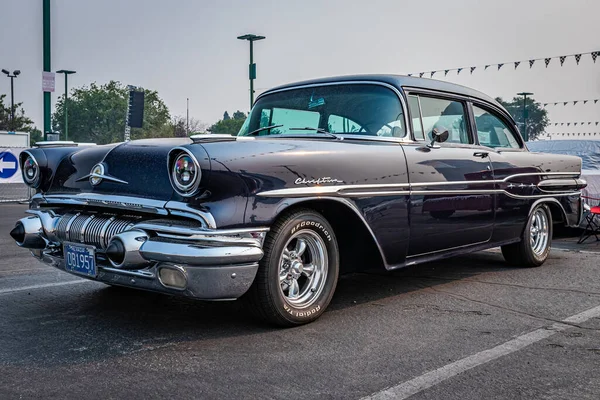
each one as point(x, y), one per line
point(452, 188)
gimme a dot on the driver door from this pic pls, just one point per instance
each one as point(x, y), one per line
point(452, 189)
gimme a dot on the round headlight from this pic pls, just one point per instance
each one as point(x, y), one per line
point(31, 171)
point(185, 174)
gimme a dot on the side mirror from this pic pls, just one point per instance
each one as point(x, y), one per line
point(439, 135)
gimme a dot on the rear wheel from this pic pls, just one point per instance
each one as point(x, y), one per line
point(534, 247)
point(298, 273)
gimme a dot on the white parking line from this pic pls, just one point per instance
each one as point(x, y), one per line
point(44, 285)
point(425, 381)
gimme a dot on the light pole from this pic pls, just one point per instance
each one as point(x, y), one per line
point(67, 73)
point(252, 69)
point(525, 94)
point(12, 95)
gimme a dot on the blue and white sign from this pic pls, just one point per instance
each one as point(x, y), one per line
point(9, 167)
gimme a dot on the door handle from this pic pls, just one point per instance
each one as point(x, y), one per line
point(482, 154)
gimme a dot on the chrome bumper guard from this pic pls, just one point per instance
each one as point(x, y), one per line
point(167, 256)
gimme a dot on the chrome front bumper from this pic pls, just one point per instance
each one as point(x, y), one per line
point(214, 264)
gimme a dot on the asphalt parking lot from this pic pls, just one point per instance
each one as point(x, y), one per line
point(464, 328)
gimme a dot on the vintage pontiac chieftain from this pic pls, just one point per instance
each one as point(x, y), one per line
point(325, 176)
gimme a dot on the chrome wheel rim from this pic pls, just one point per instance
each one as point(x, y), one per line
point(539, 232)
point(303, 268)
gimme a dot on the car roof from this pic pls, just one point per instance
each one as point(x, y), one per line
point(397, 81)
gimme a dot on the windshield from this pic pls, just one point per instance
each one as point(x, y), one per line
point(358, 109)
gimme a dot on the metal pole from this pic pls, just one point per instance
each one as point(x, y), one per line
point(187, 116)
point(251, 78)
point(12, 103)
point(66, 108)
point(47, 68)
point(127, 127)
point(525, 118)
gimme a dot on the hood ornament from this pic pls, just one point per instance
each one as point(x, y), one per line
point(98, 173)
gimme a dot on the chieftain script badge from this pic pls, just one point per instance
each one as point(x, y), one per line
point(320, 181)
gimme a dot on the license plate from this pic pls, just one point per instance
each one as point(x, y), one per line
point(80, 259)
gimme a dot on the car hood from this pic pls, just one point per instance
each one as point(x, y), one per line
point(137, 168)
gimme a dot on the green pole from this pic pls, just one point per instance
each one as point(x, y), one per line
point(47, 67)
point(251, 73)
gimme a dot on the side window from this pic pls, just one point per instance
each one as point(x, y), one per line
point(337, 124)
point(492, 131)
point(447, 114)
point(415, 112)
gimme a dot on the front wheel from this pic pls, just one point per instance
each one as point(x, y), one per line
point(534, 247)
point(298, 274)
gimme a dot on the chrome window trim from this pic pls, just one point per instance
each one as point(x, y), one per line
point(463, 100)
point(509, 125)
point(408, 134)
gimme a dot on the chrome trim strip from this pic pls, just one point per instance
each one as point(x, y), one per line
point(330, 190)
point(408, 128)
point(184, 210)
point(451, 183)
point(352, 190)
point(212, 137)
point(159, 207)
point(102, 176)
point(541, 196)
point(442, 192)
point(138, 273)
point(101, 200)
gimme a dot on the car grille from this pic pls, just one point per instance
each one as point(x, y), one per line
point(93, 229)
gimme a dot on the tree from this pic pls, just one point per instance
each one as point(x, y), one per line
point(35, 135)
point(97, 114)
point(226, 116)
point(21, 122)
point(229, 126)
point(180, 126)
point(537, 117)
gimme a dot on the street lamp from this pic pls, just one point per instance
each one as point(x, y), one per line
point(67, 73)
point(12, 95)
point(252, 70)
point(525, 94)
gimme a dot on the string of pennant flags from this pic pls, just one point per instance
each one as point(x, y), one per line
point(573, 134)
point(574, 102)
point(594, 55)
point(575, 123)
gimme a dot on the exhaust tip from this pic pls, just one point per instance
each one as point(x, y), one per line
point(18, 233)
point(116, 252)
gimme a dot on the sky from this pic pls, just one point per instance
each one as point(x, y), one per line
point(188, 48)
